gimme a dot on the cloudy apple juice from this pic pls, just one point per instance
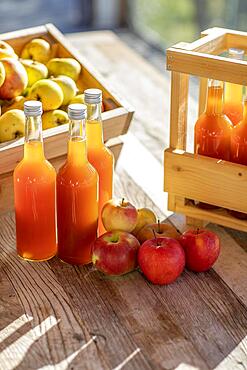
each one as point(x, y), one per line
point(34, 190)
point(77, 196)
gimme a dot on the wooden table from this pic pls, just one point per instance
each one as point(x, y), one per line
point(56, 316)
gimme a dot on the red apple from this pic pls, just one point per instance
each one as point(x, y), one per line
point(202, 248)
point(15, 79)
point(115, 253)
point(119, 214)
point(161, 260)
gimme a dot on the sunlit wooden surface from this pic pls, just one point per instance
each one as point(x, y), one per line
point(56, 316)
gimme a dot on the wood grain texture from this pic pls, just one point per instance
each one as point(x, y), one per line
point(57, 334)
point(196, 177)
point(207, 65)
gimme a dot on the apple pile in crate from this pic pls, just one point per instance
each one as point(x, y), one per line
point(35, 75)
point(134, 238)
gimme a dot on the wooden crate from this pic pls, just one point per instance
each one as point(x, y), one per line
point(116, 118)
point(190, 177)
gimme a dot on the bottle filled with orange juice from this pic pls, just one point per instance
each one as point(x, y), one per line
point(233, 106)
point(213, 129)
point(77, 195)
point(239, 149)
point(34, 190)
point(239, 140)
point(98, 154)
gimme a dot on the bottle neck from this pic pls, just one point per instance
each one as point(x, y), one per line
point(215, 98)
point(94, 125)
point(77, 150)
point(33, 144)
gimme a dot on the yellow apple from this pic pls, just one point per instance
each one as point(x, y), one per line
point(35, 70)
point(78, 99)
point(68, 87)
point(54, 118)
point(48, 92)
point(64, 66)
point(118, 214)
point(37, 49)
point(2, 74)
point(16, 103)
point(6, 51)
point(12, 125)
point(145, 216)
point(15, 80)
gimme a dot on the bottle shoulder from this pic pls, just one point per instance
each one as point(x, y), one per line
point(38, 172)
point(102, 156)
point(71, 174)
point(213, 122)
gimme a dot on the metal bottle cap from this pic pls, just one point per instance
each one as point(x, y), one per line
point(93, 96)
point(33, 108)
point(77, 111)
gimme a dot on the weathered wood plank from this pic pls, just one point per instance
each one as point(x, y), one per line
point(127, 310)
point(57, 334)
point(210, 315)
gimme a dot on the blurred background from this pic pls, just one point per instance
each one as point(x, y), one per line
point(160, 23)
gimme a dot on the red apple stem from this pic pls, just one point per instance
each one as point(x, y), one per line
point(159, 226)
point(197, 231)
point(122, 201)
point(155, 237)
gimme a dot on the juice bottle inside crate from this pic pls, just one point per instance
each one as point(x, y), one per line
point(98, 154)
point(213, 129)
point(77, 195)
point(239, 149)
point(233, 106)
point(34, 190)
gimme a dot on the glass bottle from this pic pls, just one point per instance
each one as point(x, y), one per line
point(213, 128)
point(34, 190)
point(98, 154)
point(77, 195)
point(239, 149)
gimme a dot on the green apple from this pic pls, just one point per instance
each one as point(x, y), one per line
point(54, 118)
point(64, 66)
point(48, 92)
point(35, 70)
point(68, 87)
point(78, 99)
point(12, 125)
point(37, 49)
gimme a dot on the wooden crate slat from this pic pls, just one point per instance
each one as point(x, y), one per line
point(179, 110)
point(214, 42)
point(220, 217)
point(206, 179)
point(205, 65)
